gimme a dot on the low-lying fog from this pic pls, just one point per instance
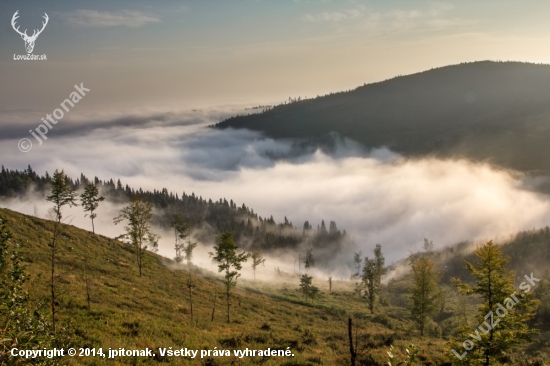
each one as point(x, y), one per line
point(376, 196)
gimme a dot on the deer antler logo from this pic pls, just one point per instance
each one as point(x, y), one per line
point(29, 41)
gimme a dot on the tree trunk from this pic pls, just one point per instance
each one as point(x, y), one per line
point(87, 282)
point(190, 287)
point(228, 305)
point(140, 257)
point(352, 350)
point(214, 307)
point(53, 274)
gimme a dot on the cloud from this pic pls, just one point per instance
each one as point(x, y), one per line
point(434, 17)
point(334, 16)
point(101, 19)
point(377, 196)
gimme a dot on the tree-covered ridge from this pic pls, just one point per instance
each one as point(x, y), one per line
point(481, 110)
point(206, 217)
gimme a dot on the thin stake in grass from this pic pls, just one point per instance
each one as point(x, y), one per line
point(190, 286)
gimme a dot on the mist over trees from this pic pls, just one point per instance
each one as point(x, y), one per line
point(435, 309)
point(208, 218)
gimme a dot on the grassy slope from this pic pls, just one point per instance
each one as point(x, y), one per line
point(482, 111)
point(153, 311)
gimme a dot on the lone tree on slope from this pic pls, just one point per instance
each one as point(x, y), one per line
point(230, 262)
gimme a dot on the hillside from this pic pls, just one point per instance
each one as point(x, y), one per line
point(153, 311)
point(496, 111)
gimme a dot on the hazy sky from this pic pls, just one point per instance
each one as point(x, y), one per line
point(166, 55)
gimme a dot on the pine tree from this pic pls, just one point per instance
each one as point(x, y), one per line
point(424, 291)
point(62, 194)
point(225, 253)
point(504, 314)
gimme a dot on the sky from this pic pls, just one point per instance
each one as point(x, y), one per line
point(170, 55)
point(160, 72)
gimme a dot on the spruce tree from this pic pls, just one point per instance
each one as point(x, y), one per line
point(504, 313)
point(424, 292)
point(306, 287)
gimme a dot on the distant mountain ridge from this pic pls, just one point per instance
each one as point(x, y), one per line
point(495, 111)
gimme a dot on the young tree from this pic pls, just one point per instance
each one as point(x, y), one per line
point(257, 259)
point(90, 201)
point(428, 245)
point(225, 253)
point(357, 262)
point(181, 231)
point(424, 291)
point(369, 280)
point(190, 286)
point(138, 213)
point(214, 302)
point(188, 252)
point(309, 260)
point(306, 287)
point(495, 284)
point(380, 269)
point(61, 195)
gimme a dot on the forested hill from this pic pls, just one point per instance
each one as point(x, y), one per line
point(207, 218)
point(497, 111)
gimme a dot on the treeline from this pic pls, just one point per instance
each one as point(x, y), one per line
point(206, 217)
